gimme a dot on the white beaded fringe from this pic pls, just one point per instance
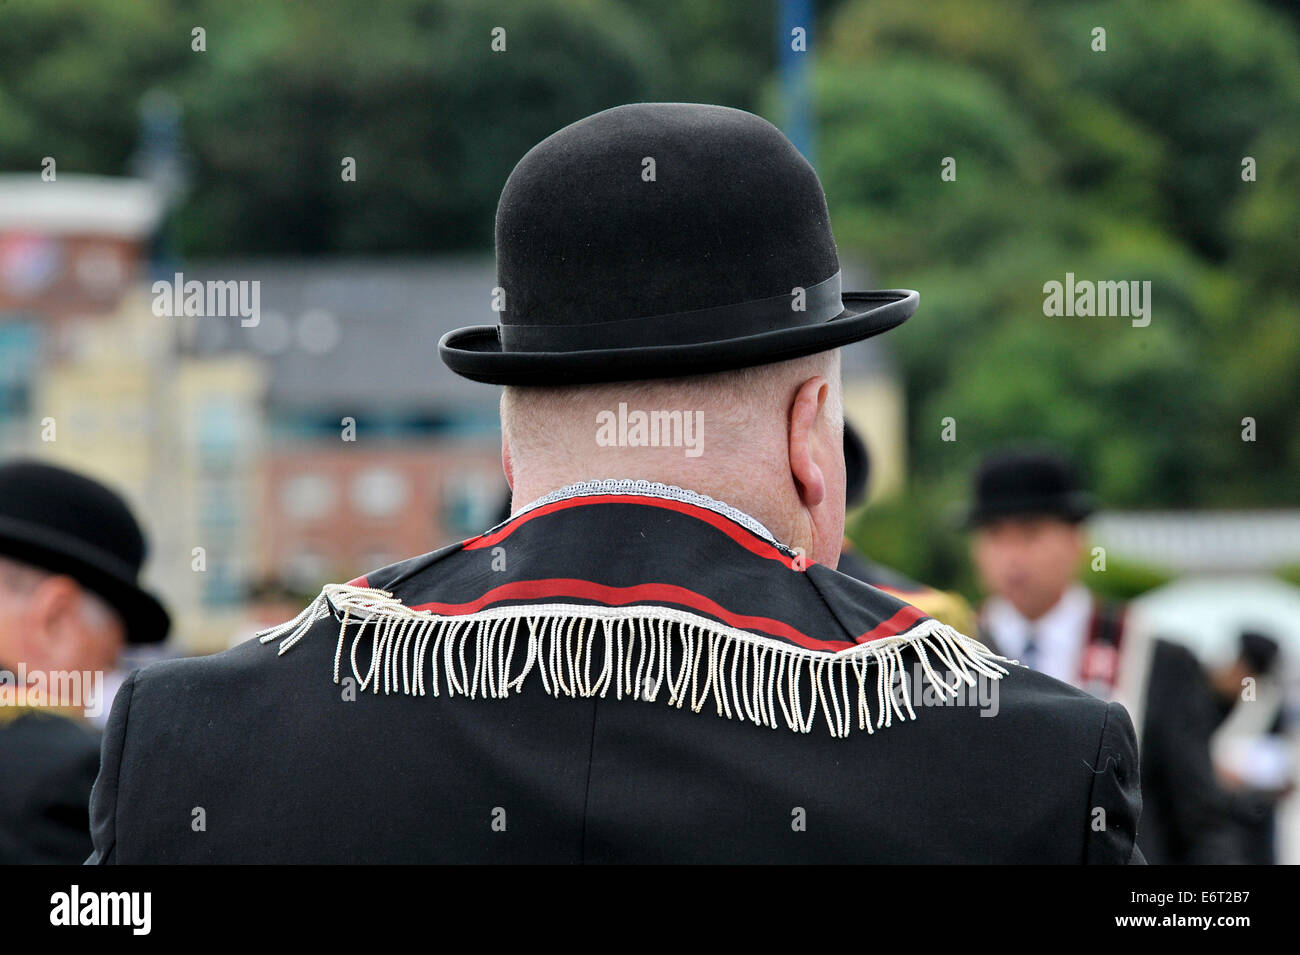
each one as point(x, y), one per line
point(748, 676)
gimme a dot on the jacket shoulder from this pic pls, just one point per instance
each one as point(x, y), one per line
point(189, 673)
point(1115, 799)
point(1099, 738)
point(1056, 728)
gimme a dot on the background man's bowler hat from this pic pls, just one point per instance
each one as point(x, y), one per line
point(1028, 482)
point(610, 277)
point(68, 524)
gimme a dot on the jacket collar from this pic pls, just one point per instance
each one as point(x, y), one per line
point(636, 487)
point(597, 637)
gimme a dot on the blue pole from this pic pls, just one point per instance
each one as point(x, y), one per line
point(794, 53)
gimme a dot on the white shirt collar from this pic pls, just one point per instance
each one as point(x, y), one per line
point(1061, 633)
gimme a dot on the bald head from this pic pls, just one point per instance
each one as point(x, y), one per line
point(766, 439)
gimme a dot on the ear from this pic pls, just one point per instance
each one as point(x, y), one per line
point(809, 402)
point(49, 611)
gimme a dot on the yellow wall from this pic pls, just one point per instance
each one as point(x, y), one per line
point(875, 406)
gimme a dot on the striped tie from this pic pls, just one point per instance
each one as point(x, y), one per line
point(1030, 655)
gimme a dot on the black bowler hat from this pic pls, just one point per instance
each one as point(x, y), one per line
point(1028, 483)
point(65, 523)
point(663, 239)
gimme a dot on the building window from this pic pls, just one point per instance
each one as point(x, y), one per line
point(471, 501)
point(307, 497)
point(380, 492)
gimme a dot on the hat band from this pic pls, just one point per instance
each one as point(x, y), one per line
point(820, 303)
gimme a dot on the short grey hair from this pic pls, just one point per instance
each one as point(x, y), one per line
point(19, 580)
point(532, 415)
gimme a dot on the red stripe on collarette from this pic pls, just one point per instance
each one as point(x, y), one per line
point(741, 536)
point(620, 596)
point(905, 619)
point(359, 582)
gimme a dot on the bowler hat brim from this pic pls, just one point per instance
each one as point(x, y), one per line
point(143, 617)
point(475, 352)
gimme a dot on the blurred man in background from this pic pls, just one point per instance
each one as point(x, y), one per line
point(1238, 680)
point(1253, 754)
point(1028, 543)
point(70, 553)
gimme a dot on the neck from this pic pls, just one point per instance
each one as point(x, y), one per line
point(1038, 612)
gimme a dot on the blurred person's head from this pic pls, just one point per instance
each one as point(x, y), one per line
point(1027, 535)
point(771, 443)
point(272, 600)
point(70, 556)
point(1029, 561)
point(857, 473)
point(1256, 658)
point(50, 622)
point(857, 467)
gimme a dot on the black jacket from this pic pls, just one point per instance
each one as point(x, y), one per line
point(1189, 817)
point(327, 752)
point(48, 763)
